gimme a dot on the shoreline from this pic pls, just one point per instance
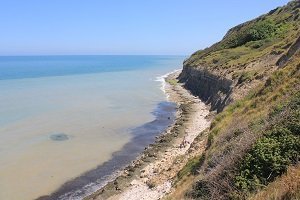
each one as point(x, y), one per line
point(90, 181)
point(163, 80)
point(142, 136)
point(151, 175)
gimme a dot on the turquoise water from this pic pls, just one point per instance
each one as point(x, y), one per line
point(61, 116)
point(17, 67)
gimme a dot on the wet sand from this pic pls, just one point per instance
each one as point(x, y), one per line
point(152, 174)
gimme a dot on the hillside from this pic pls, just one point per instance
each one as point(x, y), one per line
point(245, 57)
point(252, 79)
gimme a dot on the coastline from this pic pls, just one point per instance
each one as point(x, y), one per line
point(90, 181)
point(151, 175)
point(142, 136)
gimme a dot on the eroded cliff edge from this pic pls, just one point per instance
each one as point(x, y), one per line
point(252, 78)
point(212, 89)
point(245, 57)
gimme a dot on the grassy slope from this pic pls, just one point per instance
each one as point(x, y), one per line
point(251, 143)
point(279, 29)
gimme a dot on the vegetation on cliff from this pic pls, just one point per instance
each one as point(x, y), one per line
point(254, 143)
point(269, 34)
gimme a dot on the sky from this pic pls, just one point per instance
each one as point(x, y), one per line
point(104, 27)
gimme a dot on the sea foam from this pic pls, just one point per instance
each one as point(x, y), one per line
point(162, 79)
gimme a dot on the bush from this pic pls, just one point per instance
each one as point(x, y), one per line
point(255, 44)
point(200, 191)
point(261, 30)
point(191, 167)
point(274, 152)
point(269, 158)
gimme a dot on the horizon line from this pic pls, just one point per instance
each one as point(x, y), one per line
point(25, 55)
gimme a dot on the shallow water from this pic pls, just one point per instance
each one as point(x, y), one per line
point(61, 116)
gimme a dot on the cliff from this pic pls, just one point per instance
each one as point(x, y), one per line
point(252, 78)
point(245, 57)
point(212, 89)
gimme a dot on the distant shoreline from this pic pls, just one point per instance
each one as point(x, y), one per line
point(150, 176)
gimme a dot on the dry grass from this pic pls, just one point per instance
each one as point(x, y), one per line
point(241, 124)
point(286, 187)
point(180, 189)
point(237, 128)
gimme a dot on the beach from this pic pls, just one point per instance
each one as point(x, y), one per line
point(151, 175)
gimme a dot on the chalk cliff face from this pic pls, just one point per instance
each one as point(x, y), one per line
point(244, 58)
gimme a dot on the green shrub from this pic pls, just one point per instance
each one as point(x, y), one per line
point(282, 29)
point(255, 44)
point(261, 30)
point(274, 152)
point(258, 31)
point(191, 167)
point(210, 140)
point(236, 40)
point(269, 158)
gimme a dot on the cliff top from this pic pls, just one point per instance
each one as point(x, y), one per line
point(252, 77)
point(248, 51)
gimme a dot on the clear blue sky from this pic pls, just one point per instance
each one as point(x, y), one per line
point(63, 27)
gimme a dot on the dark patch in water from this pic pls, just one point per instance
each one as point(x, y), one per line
point(143, 136)
point(59, 137)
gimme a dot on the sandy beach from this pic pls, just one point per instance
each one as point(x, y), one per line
point(152, 174)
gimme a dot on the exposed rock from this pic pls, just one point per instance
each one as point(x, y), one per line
point(59, 137)
point(292, 50)
point(210, 88)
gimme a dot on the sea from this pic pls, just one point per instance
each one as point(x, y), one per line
point(68, 124)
